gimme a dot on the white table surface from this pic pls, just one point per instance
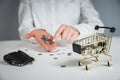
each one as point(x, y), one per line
point(45, 67)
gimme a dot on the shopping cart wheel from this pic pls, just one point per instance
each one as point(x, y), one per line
point(80, 63)
point(109, 63)
point(19, 65)
point(87, 67)
point(96, 58)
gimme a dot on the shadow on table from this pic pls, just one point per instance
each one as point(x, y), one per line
point(69, 63)
point(3, 63)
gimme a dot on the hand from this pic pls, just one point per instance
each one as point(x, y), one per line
point(66, 32)
point(38, 36)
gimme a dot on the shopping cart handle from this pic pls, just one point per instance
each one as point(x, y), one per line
point(112, 29)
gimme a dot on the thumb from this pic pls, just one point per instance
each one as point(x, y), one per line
point(27, 36)
point(55, 37)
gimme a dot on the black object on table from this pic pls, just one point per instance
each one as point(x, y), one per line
point(18, 58)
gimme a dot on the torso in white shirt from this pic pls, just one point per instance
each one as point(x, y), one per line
point(50, 14)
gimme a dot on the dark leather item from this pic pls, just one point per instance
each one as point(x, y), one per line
point(18, 58)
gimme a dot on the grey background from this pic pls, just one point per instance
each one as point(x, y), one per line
point(109, 13)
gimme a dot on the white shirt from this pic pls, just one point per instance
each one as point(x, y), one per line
point(50, 14)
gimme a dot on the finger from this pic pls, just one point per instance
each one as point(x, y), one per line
point(68, 37)
point(73, 37)
point(58, 33)
point(27, 36)
point(64, 34)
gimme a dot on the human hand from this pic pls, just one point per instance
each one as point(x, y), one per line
point(67, 33)
point(43, 38)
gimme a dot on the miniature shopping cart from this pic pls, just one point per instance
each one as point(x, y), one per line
point(93, 46)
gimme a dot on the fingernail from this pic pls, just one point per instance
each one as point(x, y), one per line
point(54, 40)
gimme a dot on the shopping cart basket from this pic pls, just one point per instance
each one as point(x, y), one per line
point(93, 46)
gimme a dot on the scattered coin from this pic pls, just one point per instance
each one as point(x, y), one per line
point(63, 66)
point(51, 54)
point(55, 58)
point(40, 54)
point(48, 51)
point(69, 54)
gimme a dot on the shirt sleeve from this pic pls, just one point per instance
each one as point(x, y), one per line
point(90, 18)
point(25, 19)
